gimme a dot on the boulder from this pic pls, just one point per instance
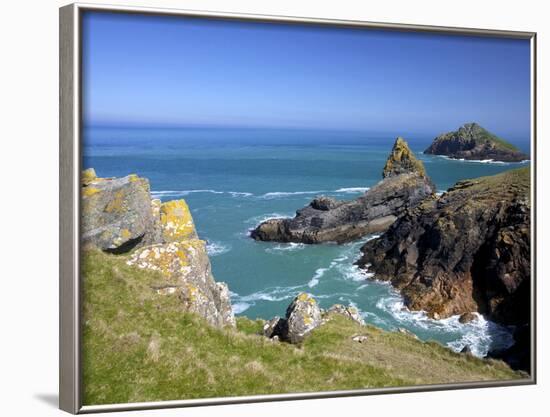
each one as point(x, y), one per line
point(302, 316)
point(349, 312)
point(467, 317)
point(472, 141)
point(117, 214)
point(405, 185)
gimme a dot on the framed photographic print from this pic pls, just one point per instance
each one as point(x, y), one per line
point(259, 208)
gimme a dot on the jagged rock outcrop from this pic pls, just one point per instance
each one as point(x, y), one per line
point(467, 250)
point(119, 216)
point(117, 213)
point(303, 315)
point(349, 312)
point(325, 219)
point(473, 142)
point(402, 161)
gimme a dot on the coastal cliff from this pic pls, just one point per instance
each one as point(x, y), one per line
point(325, 219)
point(473, 142)
point(119, 217)
point(467, 250)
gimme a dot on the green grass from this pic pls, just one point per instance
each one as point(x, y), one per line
point(485, 135)
point(141, 346)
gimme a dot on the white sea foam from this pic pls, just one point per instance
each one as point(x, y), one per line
point(318, 275)
point(184, 193)
point(270, 294)
point(217, 248)
point(479, 334)
point(239, 308)
point(282, 194)
point(285, 247)
point(352, 190)
point(483, 161)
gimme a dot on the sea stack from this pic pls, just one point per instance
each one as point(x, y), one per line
point(404, 186)
point(473, 142)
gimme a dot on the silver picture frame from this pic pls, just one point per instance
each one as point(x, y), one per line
point(70, 115)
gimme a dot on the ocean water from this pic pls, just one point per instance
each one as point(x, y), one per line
point(233, 179)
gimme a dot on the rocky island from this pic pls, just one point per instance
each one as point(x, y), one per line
point(404, 185)
point(467, 250)
point(473, 142)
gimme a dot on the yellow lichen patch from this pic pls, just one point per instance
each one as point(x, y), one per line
point(90, 191)
point(133, 177)
point(117, 204)
point(169, 259)
point(88, 175)
point(177, 222)
point(125, 234)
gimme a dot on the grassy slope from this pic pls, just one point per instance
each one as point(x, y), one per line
point(140, 346)
point(501, 143)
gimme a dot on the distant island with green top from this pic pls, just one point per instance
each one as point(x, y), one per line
point(473, 142)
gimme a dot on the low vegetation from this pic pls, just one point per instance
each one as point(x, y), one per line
point(141, 346)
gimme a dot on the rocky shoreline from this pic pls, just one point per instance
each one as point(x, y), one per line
point(404, 185)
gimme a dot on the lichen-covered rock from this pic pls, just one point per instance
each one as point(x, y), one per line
point(187, 273)
point(402, 161)
point(119, 216)
point(176, 221)
point(472, 141)
point(467, 250)
point(350, 312)
point(302, 316)
point(116, 212)
point(328, 220)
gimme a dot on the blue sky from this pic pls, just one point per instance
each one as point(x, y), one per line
point(163, 70)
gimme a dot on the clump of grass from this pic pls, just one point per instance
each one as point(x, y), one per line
point(141, 346)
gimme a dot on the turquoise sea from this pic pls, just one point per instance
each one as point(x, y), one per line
point(234, 178)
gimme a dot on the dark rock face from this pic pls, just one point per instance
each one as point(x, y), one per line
point(328, 220)
point(518, 356)
point(471, 141)
point(468, 250)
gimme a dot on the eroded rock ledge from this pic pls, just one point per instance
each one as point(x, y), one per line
point(119, 216)
point(325, 219)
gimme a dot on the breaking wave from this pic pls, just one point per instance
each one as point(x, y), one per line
point(216, 248)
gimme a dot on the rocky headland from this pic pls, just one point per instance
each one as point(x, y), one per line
point(473, 142)
point(466, 250)
point(119, 217)
point(404, 185)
